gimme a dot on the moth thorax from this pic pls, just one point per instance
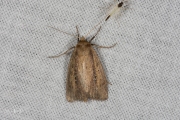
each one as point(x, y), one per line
point(83, 47)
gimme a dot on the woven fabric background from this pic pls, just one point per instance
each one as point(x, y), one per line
point(143, 68)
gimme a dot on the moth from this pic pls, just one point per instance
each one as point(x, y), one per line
point(86, 79)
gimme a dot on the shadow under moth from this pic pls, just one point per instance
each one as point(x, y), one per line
point(86, 79)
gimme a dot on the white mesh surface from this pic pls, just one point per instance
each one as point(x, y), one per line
point(144, 67)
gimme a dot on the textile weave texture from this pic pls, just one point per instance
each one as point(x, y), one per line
point(143, 68)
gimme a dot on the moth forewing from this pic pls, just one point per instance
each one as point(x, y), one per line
point(100, 78)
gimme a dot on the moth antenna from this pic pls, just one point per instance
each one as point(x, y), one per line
point(93, 28)
point(78, 32)
point(95, 34)
point(63, 32)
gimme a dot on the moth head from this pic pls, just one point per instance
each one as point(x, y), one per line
point(82, 38)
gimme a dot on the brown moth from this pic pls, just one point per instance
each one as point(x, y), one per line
point(86, 78)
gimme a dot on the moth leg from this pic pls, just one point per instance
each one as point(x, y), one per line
point(95, 34)
point(62, 53)
point(77, 32)
point(104, 46)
